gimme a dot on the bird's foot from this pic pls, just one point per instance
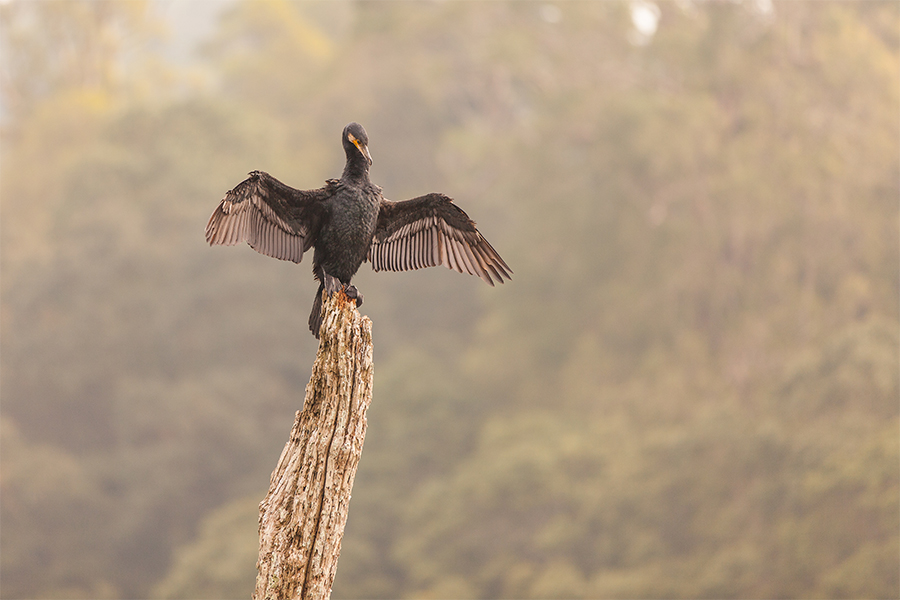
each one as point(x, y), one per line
point(353, 294)
point(332, 284)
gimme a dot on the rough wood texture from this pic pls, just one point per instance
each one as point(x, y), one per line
point(301, 520)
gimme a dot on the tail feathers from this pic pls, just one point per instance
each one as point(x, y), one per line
point(315, 317)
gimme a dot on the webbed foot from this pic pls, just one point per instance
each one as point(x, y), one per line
point(332, 284)
point(353, 294)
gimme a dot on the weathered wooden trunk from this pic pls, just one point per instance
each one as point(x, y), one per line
point(302, 518)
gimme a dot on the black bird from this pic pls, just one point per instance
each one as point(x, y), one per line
point(348, 222)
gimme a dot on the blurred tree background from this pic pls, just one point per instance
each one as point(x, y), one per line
point(689, 389)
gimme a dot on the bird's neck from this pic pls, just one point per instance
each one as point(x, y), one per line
point(356, 169)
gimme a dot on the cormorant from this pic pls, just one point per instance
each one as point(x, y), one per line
point(348, 222)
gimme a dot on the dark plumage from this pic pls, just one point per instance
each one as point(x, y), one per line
point(348, 222)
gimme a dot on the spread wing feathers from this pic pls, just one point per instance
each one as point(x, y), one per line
point(428, 231)
point(275, 219)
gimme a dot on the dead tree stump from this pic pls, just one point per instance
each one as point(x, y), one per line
point(302, 518)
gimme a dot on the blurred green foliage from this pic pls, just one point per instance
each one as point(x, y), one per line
point(690, 388)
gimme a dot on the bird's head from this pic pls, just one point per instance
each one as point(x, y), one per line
point(356, 140)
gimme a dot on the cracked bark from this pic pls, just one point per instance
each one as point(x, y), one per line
point(302, 518)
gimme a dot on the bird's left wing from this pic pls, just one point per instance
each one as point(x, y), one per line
point(275, 219)
point(430, 230)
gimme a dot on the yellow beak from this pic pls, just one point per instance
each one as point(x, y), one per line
point(362, 148)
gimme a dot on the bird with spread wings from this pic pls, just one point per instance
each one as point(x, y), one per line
point(348, 222)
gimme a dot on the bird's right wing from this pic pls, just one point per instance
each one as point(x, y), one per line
point(275, 219)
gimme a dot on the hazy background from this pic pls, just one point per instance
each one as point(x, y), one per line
point(689, 389)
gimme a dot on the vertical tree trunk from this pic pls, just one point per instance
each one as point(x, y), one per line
point(302, 518)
